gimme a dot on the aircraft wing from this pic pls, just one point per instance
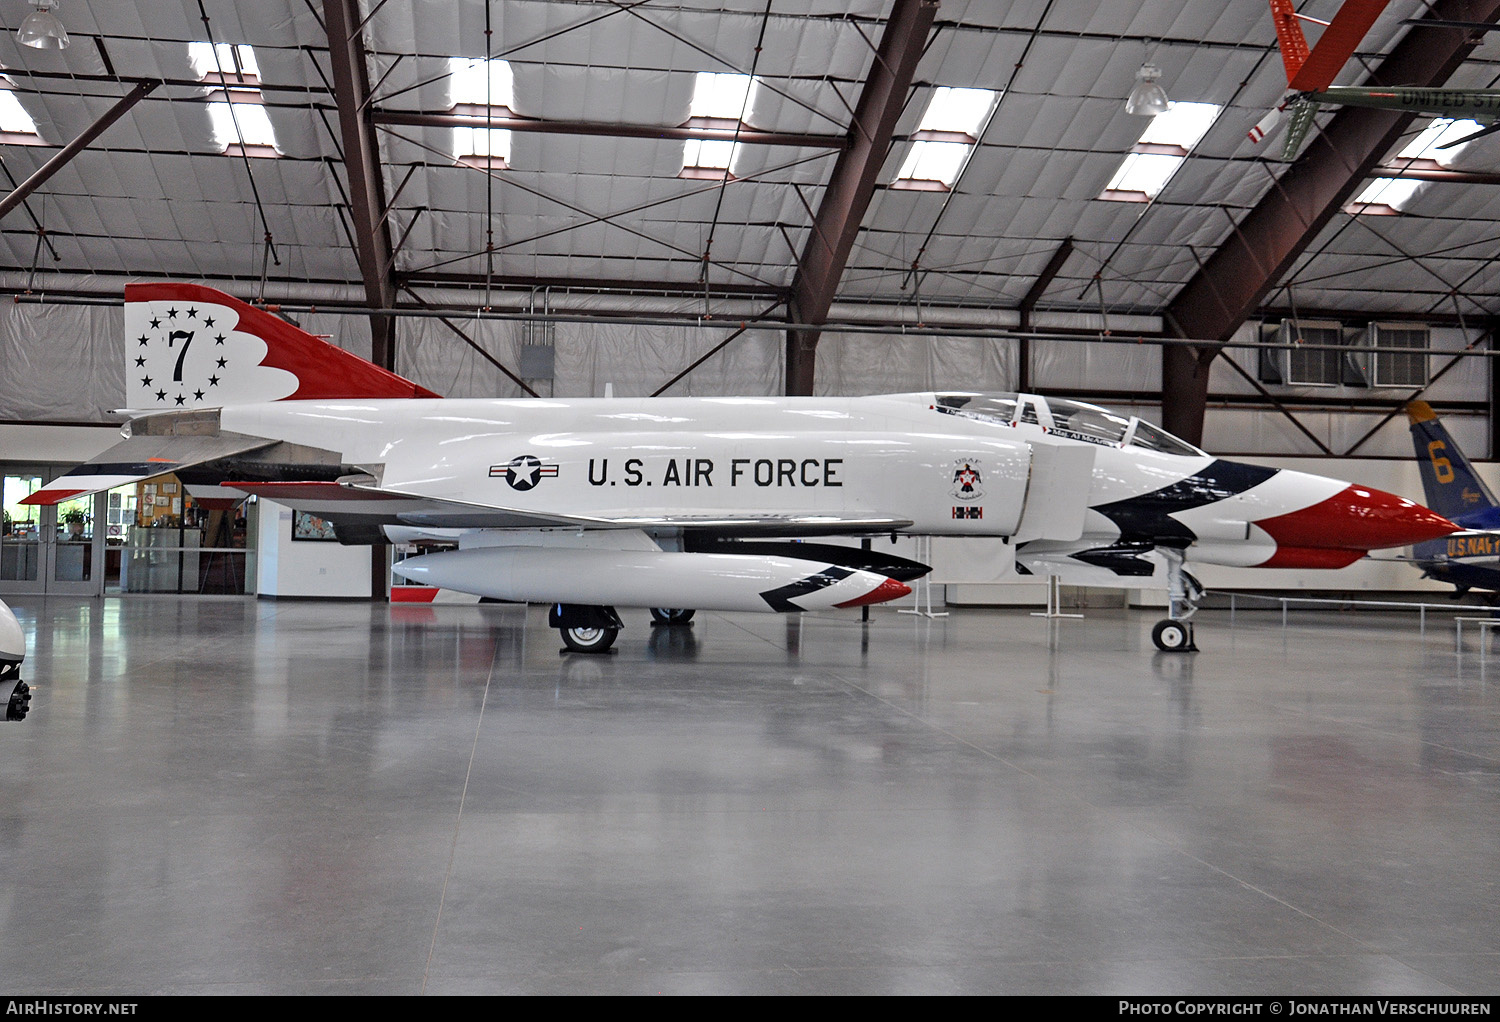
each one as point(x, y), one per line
point(144, 457)
point(359, 498)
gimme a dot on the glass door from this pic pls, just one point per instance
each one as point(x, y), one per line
point(49, 550)
point(75, 562)
point(21, 543)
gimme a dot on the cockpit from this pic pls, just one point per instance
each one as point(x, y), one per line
point(1073, 420)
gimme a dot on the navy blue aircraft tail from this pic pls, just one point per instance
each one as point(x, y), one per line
point(1454, 491)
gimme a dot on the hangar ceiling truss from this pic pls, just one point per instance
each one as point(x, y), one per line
point(1265, 243)
point(373, 207)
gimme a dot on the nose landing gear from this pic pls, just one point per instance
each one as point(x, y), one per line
point(1175, 634)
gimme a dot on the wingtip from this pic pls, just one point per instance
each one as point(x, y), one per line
point(45, 498)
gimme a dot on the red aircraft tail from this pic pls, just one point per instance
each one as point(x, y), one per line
point(189, 346)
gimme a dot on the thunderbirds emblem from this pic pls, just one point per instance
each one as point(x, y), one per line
point(967, 479)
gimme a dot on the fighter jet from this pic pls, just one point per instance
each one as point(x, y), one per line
point(683, 504)
point(1467, 559)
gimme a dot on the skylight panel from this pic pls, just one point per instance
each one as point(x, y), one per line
point(1441, 132)
point(1166, 143)
point(1146, 173)
point(722, 97)
point(937, 162)
point(13, 119)
point(228, 59)
point(1183, 125)
point(247, 125)
point(1386, 195)
point(945, 137)
point(957, 110)
point(239, 121)
point(482, 86)
point(1390, 195)
point(708, 153)
point(481, 82)
point(482, 147)
point(719, 100)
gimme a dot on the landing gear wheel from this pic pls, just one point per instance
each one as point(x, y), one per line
point(1173, 636)
point(589, 640)
point(666, 616)
point(20, 702)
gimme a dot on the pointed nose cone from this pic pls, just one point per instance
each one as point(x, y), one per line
point(1358, 518)
point(890, 589)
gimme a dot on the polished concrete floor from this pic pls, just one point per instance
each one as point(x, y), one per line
point(240, 796)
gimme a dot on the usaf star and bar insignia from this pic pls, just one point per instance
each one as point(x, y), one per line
point(163, 372)
point(523, 472)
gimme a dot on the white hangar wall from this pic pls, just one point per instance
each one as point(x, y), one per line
point(65, 363)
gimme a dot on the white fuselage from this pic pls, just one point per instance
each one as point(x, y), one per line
point(623, 457)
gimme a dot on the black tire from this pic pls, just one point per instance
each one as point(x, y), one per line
point(670, 616)
point(589, 640)
point(19, 703)
point(1171, 636)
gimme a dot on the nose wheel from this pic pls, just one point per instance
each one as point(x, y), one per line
point(1174, 636)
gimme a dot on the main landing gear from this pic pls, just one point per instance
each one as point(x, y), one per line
point(1175, 634)
point(585, 629)
point(594, 629)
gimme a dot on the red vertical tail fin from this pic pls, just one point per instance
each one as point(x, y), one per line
point(189, 346)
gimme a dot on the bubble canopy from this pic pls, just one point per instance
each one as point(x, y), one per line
point(1071, 419)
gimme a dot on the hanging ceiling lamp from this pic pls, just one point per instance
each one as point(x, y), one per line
point(41, 29)
point(1146, 97)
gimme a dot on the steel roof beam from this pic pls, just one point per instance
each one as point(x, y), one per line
point(351, 84)
point(847, 197)
point(513, 122)
point(64, 155)
point(1231, 284)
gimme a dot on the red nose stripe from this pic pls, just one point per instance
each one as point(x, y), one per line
point(1358, 518)
point(1293, 557)
point(890, 589)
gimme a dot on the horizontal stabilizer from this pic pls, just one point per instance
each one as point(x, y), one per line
point(144, 457)
point(1301, 119)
